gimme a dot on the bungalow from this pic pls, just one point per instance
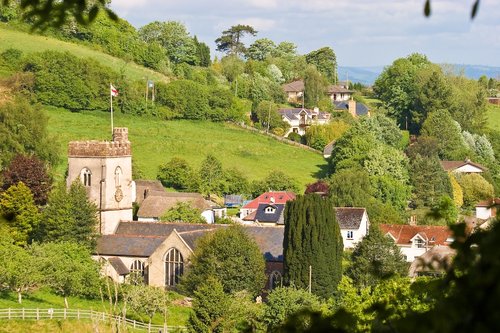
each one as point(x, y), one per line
point(157, 203)
point(271, 197)
point(465, 166)
point(160, 252)
point(415, 240)
point(299, 119)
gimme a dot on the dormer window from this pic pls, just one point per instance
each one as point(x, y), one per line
point(419, 242)
point(270, 210)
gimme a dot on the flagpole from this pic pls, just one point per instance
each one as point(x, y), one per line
point(111, 103)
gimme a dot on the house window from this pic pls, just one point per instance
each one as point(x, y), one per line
point(86, 177)
point(350, 234)
point(418, 242)
point(275, 280)
point(174, 267)
point(270, 210)
point(137, 272)
point(295, 130)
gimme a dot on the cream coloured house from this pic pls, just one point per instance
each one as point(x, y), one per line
point(299, 119)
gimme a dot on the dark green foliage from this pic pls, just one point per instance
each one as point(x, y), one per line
point(236, 182)
point(210, 307)
point(314, 87)
point(202, 53)
point(268, 116)
point(350, 188)
point(443, 212)
point(284, 302)
point(295, 137)
point(325, 61)
point(23, 130)
point(230, 41)
point(375, 259)
point(175, 173)
point(32, 172)
point(312, 239)
point(276, 181)
point(211, 176)
point(429, 181)
point(69, 216)
point(12, 58)
point(62, 79)
point(229, 255)
point(188, 99)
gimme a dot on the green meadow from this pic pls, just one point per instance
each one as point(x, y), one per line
point(155, 142)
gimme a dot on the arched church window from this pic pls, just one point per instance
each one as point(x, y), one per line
point(137, 272)
point(275, 280)
point(86, 177)
point(118, 176)
point(174, 267)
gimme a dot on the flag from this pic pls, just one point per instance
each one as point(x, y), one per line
point(114, 91)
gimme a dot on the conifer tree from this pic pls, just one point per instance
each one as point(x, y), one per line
point(312, 238)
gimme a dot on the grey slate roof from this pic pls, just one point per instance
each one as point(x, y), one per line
point(143, 188)
point(142, 238)
point(128, 245)
point(349, 217)
point(119, 266)
point(361, 109)
point(276, 217)
point(294, 113)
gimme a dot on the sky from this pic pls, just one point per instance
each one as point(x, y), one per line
point(362, 33)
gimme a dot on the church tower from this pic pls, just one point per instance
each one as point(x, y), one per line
point(105, 169)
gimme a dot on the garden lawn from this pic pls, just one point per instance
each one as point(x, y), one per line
point(493, 116)
point(155, 142)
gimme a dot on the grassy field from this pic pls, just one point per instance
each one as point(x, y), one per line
point(29, 43)
point(43, 299)
point(494, 116)
point(155, 142)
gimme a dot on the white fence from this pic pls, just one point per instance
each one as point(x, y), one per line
point(41, 314)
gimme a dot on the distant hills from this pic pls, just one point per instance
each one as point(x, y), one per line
point(368, 75)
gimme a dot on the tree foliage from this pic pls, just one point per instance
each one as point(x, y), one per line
point(19, 212)
point(325, 61)
point(183, 212)
point(229, 255)
point(475, 188)
point(146, 299)
point(69, 216)
point(175, 173)
point(312, 239)
point(230, 40)
point(375, 259)
point(314, 87)
point(276, 180)
point(31, 172)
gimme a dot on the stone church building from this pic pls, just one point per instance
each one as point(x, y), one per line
point(157, 251)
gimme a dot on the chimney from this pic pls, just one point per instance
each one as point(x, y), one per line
point(351, 106)
point(412, 220)
point(316, 109)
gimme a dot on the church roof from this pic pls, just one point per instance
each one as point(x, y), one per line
point(140, 239)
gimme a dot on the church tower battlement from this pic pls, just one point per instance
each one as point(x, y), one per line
point(105, 169)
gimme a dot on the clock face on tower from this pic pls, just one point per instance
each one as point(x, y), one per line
point(118, 195)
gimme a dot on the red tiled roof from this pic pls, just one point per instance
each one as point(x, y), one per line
point(250, 217)
point(453, 165)
point(279, 197)
point(403, 233)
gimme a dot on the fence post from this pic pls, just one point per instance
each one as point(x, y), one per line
point(64, 313)
point(37, 314)
point(9, 313)
point(78, 314)
point(149, 327)
point(134, 323)
point(23, 313)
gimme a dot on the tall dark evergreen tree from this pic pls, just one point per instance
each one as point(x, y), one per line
point(312, 239)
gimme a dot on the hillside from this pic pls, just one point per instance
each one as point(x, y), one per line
point(29, 43)
point(155, 141)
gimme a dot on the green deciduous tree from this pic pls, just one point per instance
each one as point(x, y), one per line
point(230, 41)
point(23, 130)
point(325, 61)
point(31, 172)
point(314, 87)
point(175, 173)
point(261, 49)
point(276, 180)
point(69, 216)
point(69, 269)
point(20, 214)
point(19, 271)
point(312, 240)
point(350, 188)
point(230, 256)
point(283, 302)
point(146, 299)
point(183, 212)
point(376, 258)
point(475, 188)
point(211, 176)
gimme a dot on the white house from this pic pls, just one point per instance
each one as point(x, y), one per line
point(300, 118)
point(354, 224)
point(338, 93)
point(465, 166)
point(487, 209)
point(415, 240)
